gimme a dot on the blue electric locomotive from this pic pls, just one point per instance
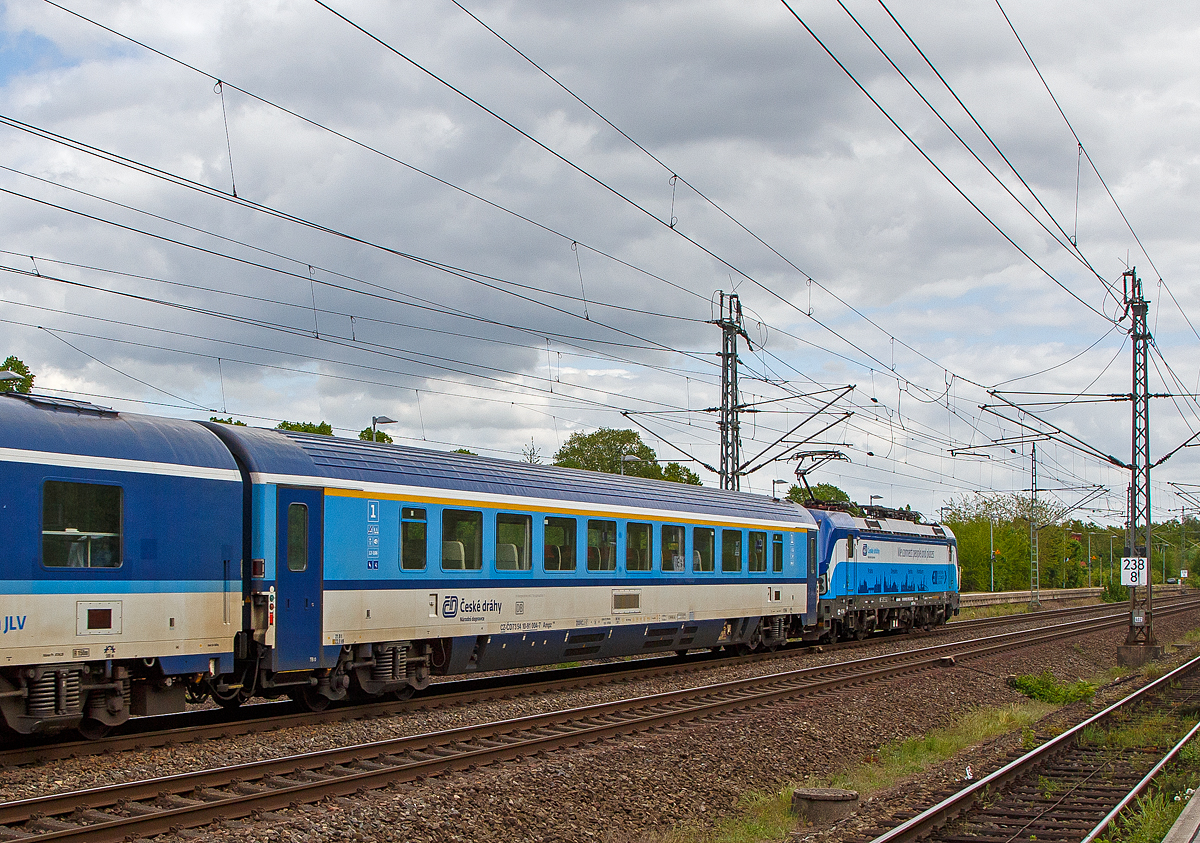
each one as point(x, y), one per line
point(883, 571)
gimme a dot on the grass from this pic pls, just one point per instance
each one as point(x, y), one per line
point(1147, 822)
point(897, 761)
point(767, 816)
point(997, 610)
point(1045, 687)
point(763, 816)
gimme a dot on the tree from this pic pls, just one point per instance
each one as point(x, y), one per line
point(531, 454)
point(25, 384)
point(677, 473)
point(607, 450)
point(227, 420)
point(821, 491)
point(322, 428)
point(464, 451)
point(380, 436)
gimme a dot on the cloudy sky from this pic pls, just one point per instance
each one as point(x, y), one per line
point(503, 222)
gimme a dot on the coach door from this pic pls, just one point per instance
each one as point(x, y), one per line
point(298, 578)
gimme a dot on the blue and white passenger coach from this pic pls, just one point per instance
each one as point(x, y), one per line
point(120, 551)
point(373, 567)
point(883, 571)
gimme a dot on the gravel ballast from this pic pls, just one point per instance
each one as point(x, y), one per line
point(637, 788)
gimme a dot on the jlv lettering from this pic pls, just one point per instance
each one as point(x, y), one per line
point(14, 623)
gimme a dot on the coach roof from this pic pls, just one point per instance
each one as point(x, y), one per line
point(77, 428)
point(282, 454)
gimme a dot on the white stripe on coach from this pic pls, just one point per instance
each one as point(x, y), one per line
point(166, 469)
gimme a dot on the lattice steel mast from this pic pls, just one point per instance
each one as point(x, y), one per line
point(730, 323)
point(1035, 587)
point(1141, 605)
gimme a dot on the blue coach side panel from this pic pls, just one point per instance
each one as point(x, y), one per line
point(120, 561)
point(505, 570)
point(137, 515)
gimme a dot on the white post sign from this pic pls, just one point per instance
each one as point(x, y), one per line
point(1183, 574)
point(1133, 570)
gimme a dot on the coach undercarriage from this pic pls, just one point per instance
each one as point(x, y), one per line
point(400, 668)
point(92, 697)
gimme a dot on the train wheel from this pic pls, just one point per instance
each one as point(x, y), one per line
point(92, 729)
point(229, 699)
point(404, 693)
point(860, 632)
point(311, 699)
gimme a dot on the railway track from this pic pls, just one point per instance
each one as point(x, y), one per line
point(1073, 787)
point(188, 800)
point(219, 723)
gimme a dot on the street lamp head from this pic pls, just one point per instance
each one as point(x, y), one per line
point(10, 376)
point(376, 420)
point(876, 498)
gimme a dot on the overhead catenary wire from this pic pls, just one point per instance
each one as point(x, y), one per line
point(193, 185)
point(1075, 250)
point(1075, 135)
point(835, 333)
point(675, 176)
point(492, 282)
point(417, 358)
point(905, 384)
point(954, 185)
point(375, 150)
point(582, 350)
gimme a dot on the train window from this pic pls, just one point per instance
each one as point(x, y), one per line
point(413, 539)
point(297, 537)
point(672, 548)
point(602, 546)
point(777, 553)
point(513, 540)
point(81, 525)
point(758, 552)
point(462, 540)
point(704, 540)
point(731, 551)
point(637, 547)
point(560, 544)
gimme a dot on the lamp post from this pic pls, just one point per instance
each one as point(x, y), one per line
point(775, 483)
point(628, 458)
point(6, 376)
point(875, 498)
point(991, 554)
point(1090, 557)
point(377, 420)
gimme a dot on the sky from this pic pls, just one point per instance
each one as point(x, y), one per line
point(502, 223)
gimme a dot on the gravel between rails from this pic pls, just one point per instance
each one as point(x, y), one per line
point(633, 789)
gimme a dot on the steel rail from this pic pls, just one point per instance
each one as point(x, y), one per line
point(1140, 787)
point(214, 723)
point(346, 770)
point(928, 821)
